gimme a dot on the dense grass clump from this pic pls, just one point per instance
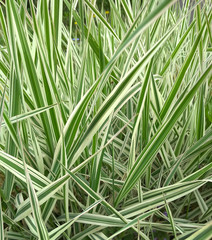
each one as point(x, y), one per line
point(105, 119)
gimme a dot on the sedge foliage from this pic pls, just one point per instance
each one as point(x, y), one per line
point(105, 119)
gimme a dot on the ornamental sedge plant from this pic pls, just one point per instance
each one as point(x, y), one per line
point(105, 119)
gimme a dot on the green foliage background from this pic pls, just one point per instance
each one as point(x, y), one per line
point(105, 119)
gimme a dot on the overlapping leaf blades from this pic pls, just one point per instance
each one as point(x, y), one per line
point(103, 127)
